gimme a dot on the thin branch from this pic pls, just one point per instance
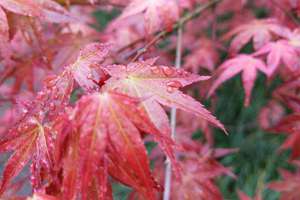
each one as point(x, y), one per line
point(143, 50)
point(163, 33)
point(168, 170)
point(214, 25)
point(286, 12)
point(132, 44)
point(86, 3)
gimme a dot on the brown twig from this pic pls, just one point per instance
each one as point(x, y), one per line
point(287, 13)
point(163, 33)
point(143, 50)
point(83, 3)
point(132, 44)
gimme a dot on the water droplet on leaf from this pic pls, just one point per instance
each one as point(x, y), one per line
point(154, 69)
point(52, 106)
point(173, 85)
point(90, 76)
point(168, 71)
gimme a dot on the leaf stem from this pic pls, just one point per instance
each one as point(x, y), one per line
point(168, 170)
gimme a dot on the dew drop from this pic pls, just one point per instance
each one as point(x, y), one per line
point(90, 76)
point(41, 94)
point(103, 188)
point(51, 145)
point(31, 121)
point(168, 71)
point(54, 88)
point(56, 96)
point(52, 106)
point(44, 162)
point(54, 135)
point(154, 69)
point(126, 102)
point(123, 67)
point(185, 73)
point(173, 85)
point(24, 110)
point(179, 72)
point(40, 114)
point(22, 163)
point(33, 180)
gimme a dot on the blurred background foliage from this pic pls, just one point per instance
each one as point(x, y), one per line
point(258, 159)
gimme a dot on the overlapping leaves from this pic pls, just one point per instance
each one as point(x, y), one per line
point(102, 133)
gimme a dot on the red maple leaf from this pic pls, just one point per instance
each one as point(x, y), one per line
point(290, 126)
point(200, 169)
point(107, 138)
point(288, 92)
point(289, 187)
point(261, 31)
point(279, 53)
point(158, 84)
point(156, 13)
point(31, 137)
point(46, 10)
point(203, 55)
point(270, 114)
point(241, 63)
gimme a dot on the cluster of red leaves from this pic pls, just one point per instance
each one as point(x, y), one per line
point(289, 186)
point(100, 134)
point(80, 120)
point(199, 170)
point(73, 148)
